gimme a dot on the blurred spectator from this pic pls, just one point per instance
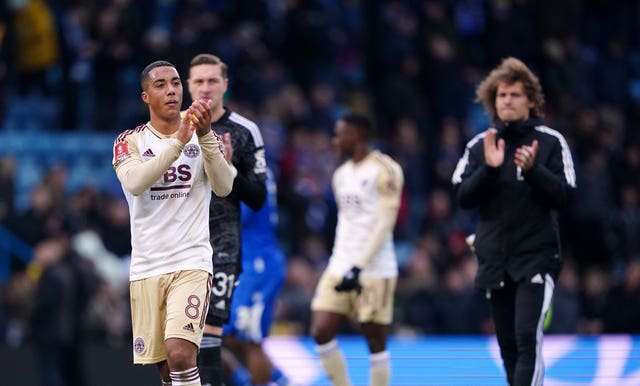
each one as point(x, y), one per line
point(406, 99)
point(65, 285)
point(115, 226)
point(41, 220)
point(471, 22)
point(324, 106)
point(77, 54)
point(438, 222)
point(511, 31)
point(461, 309)
point(4, 16)
point(622, 312)
point(593, 298)
point(612, 73)
point(37, 45)
point(292, 313)
point(7, 190)
point(591, 204)
point(416, 292)
point(409, 151)
point(115, 30)
point(446, 88)
point(35, 50)
point(623, 227)
point(448, 150)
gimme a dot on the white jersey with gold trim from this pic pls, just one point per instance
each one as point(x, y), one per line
point(170, 220)
point(360, 190)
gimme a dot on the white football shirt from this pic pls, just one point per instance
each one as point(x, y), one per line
point(170, 220)
point(360, 189)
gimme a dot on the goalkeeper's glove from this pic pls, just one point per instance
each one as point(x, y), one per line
point(350, 281)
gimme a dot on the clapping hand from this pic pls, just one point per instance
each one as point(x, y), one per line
point(199, 115)
point(526, 155)
point(493, 151)
point(196, 119)
point(228, 148)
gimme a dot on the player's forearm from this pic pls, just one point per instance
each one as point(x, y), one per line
point(215, 166)
point(137, 176)
point(252, 193)
point(386, 220)
point(477, 186)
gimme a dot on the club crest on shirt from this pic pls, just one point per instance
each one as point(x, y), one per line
point(191, 150)
point(139, 346)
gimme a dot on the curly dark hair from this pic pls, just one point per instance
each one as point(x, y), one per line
point(511, 70)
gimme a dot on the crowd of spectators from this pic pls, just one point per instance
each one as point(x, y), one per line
point(295, 67)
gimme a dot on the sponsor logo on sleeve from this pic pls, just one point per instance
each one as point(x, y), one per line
point(121, 152)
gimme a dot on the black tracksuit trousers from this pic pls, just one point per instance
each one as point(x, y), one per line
point(519, 310)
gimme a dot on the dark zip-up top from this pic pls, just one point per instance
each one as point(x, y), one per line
point(248, 186)
point(517, 233)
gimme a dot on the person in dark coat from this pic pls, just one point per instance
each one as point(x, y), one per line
point(516, 175)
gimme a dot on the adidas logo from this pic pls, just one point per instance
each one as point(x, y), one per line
point(148, 153)
point(189, 327)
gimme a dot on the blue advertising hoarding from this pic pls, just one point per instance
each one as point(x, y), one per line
point(435, 360)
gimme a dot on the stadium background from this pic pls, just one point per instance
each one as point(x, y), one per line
point(69, 84)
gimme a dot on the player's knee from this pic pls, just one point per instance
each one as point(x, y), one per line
point(180, 357)
point(376, 344)
point(320, 334)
